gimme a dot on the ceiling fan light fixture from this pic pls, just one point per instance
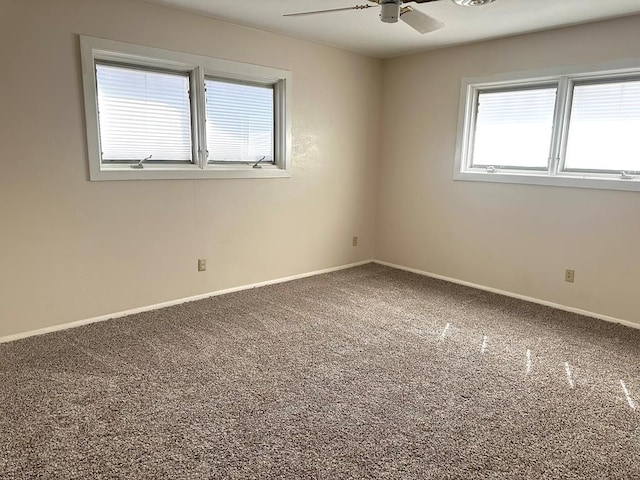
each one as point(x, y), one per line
point(389, 11)
point(473, 3)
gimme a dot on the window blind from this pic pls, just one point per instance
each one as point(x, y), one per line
point(143, 113)
point(513, 128)
point(239, 121)
point(603, 127)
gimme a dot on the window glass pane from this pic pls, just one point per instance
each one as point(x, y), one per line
point(513, 128)
point(240, 122)
point(604, 127)
point(143, 113)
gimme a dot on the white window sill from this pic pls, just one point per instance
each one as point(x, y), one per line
point(577, 181)
point(177, 172)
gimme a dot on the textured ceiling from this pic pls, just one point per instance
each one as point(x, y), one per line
point(362, 31)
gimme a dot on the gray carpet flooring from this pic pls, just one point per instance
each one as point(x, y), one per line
point(364, 373)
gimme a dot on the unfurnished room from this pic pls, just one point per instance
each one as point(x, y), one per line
point(320, 239)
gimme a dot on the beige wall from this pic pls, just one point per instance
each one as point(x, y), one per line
point(512, 237)
point(73, 249)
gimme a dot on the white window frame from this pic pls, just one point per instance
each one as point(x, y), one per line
point(198, 66)
point(564, 79)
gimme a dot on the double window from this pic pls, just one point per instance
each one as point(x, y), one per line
point(576, 129)
point(154, 113)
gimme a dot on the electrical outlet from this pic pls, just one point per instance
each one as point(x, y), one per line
point(569, 275)
point(202, 264)
point(354, 242)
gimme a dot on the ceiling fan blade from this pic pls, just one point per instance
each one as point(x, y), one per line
point(421, 22)
point(316, 12)
point(418, 1)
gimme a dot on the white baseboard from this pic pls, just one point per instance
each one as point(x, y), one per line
point(124, 313)
point(566, 308)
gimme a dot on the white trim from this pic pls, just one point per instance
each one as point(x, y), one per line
point(631, 184)
point(198, 67)
point(586, 313)
point(156, 306)
point(563, 78)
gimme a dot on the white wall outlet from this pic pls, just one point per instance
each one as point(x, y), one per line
point(354, 241)
point(202, 264)
point(569, 275)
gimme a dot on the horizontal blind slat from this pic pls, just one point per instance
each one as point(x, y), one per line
point(143, 113)
point(603, 125)
point(240, 121)
point(513, 128)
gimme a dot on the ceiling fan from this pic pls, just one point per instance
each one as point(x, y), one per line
point(392, 10)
